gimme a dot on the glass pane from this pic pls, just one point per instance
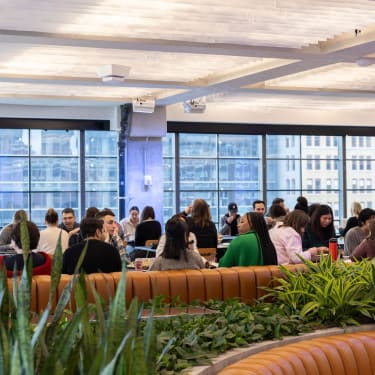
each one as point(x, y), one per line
point(11, 202)
point(54, 174)
point(360, 147)
point(198, 174)
point(244, 200)
point(169, 175)
point(319, 145)
point(168, 205)
point(54, 142)
point(237, 145)
point(239, 174)
point(168, 145)
point(14, 142)
point(198, 145)
point(101, 143)
point(101, 174)
point(290, 198)
point(14, 173)
point(101, 199)
point(283, 146)
point(283, 174)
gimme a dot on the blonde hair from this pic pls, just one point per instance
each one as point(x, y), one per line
point(356, 208)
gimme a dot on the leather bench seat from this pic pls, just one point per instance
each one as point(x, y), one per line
point(351, 354)
point(189, 286)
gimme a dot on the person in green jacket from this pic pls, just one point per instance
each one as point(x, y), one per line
point(253, 247)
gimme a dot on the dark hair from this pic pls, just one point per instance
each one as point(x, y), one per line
point(34, 234)
point(147, 212)
point(258, 201)
point(18, 215)
point(276, 211)
point(312, 208)
point(91, 212)
point(296, 219)
point(365, 215)
point(257, 222)
point(51, 216)
point(68, 210)
point(277, 201)
point(105, 212)
point(314, 224)
point(134, 208)
point(301, 204)
point(176, 232)
point(89, 226)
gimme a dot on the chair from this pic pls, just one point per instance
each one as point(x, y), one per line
point(207, 252)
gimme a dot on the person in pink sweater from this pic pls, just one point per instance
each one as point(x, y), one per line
point(287, 238)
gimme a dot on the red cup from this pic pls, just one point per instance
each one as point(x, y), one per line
point(333, 248)
point(138, 264)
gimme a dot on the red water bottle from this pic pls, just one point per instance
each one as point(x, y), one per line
point(333, 248)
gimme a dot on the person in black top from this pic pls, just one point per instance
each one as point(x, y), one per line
point(70, 225)
point(148, 228)
point(100, 256)
point(201, 225)
point(230, 221)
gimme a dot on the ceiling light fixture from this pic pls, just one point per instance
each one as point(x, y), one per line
point(195, 105)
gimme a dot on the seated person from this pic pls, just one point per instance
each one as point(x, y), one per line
point(6, 232)
point(357, 234)
point(110, 230)
point(100, 256)
point(366, 249)
point(41, 262)
point(147, 229)
point(253, 247)
point(176, 254)
point(50, 235)
point(230, 220)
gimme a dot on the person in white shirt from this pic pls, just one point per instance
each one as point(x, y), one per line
point(128, 226)
point(49, 236)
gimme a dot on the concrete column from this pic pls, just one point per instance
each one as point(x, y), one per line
point(144, 161)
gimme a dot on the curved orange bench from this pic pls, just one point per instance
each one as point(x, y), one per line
point(350, 354)
point(189, 286)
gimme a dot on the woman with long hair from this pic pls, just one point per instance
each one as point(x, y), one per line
point(287, 238)
point(320, 228)
point(176, 254)
point(148, 228)
point(201, 225)
point(253, 246)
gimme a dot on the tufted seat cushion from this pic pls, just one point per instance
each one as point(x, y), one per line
point(351, 354)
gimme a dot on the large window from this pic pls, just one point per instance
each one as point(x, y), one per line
point(40, 169)
point(222, 168)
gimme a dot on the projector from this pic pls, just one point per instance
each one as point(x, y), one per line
point(113, 73)
point(195, 106)
point(144, 105)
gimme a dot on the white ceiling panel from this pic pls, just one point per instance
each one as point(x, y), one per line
point(273, 52)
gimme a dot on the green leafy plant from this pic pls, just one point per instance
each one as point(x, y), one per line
point(329, 293)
